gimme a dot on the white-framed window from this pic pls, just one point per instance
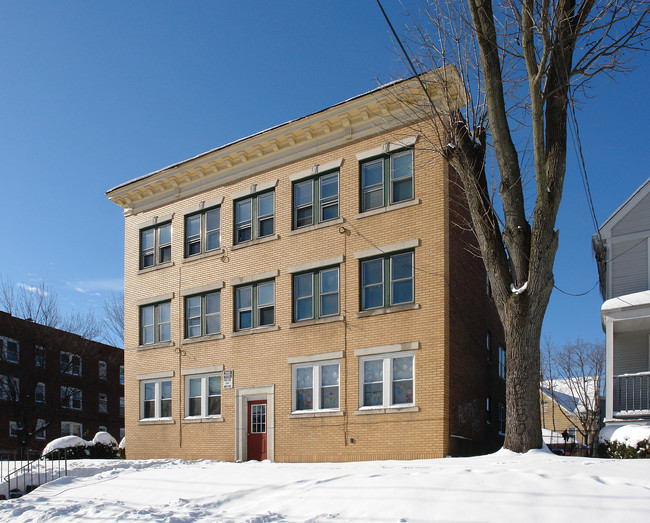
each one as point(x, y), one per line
point(387, 180)
point(70, 363)
point(103, 370)
point(71, 428)
point(71, 398)
point(316, 386)
point(387, 281)
point(387, 380)
point(10, 350)
point(39, 356)
point(14, 428)
point(156, 399)
point(9, 388)
point(255, 305)
point(122, 406)
point(502, 362)
point(155, 323)
point(316, 294)
point(102, 428)
point(501, 418)
point(155, 245)
point(202, 231)
point(254, 217)
point(39, 393)
point(316, 200)
point(203, 395)
point(203, 314)
point(103, 403)
point(39, 431)
point(121, 374)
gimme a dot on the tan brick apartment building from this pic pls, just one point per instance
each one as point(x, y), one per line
point(304, 294)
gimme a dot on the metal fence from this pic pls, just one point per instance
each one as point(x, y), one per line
point(23, 470)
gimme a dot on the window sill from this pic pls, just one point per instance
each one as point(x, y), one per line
point(392, 207)
point(211, 419)
point(258, 330)
point(198, 339)
point(315, 414)
point(387, 310)
point(254, 242)
point(156, 421)
point(202, 256)
point(321, 225)
point(155, 345)
point(386, 410)
point(306, 323)
point(156, 267)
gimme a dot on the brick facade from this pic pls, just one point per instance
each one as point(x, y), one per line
point(30, 369)
point(450, 369)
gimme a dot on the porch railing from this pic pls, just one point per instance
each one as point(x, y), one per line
point(632, 394)
point(23, 471)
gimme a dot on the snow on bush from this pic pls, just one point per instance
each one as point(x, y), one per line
point(73, 445)
point(105, 439)
point(624, 441)
point(103, 445)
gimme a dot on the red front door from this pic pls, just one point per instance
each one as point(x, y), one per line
point(257, 430)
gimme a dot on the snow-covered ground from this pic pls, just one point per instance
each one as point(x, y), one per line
point(537, 486)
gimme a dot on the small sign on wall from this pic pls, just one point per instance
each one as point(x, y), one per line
point(228, 379)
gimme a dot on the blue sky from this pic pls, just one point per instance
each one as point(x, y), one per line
point(95, 93)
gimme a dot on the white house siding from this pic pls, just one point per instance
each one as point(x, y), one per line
point(636, 220)
point(629, 267)
point(631, 353)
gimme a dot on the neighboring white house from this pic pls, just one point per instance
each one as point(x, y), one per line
point(622, 249)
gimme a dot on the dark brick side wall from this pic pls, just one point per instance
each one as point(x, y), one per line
point(474, 372)
point(54, 341)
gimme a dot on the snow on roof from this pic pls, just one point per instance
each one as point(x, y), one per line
point(636, 299)
point(563, 392)
point(629, 434)
point(65, 442)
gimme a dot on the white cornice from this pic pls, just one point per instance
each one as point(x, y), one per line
point(376, 112)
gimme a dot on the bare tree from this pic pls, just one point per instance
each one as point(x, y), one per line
point(114, 317)
point(576, 372)
point(508, 73)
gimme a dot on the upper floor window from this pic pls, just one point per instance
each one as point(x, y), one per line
point(255, 305)
point(156, 397)
point(502, 362)
point(10, 350)
point(316, 294)
point(9, 388)
point(316, 200)
point(387, 180)
point(39, 356)
point(203, 231)
point(387, 380)
point(39, 393)
point(103, 370)
point(71, 398)
point(103, 403)
point(71, 363)
point(121, 374)
point(155, 323)
point(254, 217)
point(122, 407)
point(155, 245)
point(316, 386)
point(203, 315)
point(387, 281)
point(71, 428)
point(488, 345)
point(203, 395)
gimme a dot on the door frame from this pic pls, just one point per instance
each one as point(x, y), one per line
point(242, 396)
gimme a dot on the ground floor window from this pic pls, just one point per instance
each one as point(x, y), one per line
point(203, 395)
point(40, 432)
point(502, 418)
point(14, 428)
point(386, 380)
point(316, 386)
point(71, 398)
point(71, 428)
point(156, 399)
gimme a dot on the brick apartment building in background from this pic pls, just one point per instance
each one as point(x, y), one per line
point(309, 293)
point(56, 383)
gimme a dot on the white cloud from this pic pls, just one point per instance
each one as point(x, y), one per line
point(97, 286)
point(34, 290)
